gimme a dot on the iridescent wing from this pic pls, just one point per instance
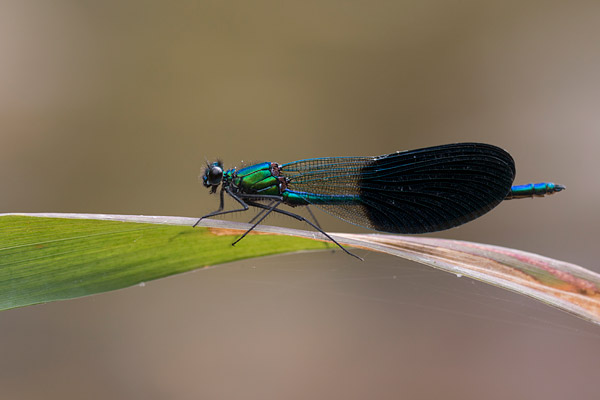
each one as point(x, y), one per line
point(417, 191)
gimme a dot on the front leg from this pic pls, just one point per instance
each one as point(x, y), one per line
point(220, 210)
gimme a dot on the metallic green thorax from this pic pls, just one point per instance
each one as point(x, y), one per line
point(255, 179)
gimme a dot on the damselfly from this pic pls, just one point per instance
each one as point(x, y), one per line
point(416, 191)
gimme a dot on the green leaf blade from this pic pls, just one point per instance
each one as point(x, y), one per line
point(48, 259)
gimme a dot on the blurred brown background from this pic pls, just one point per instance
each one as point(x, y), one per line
point(113, 107)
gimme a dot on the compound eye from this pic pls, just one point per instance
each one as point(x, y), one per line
point(215, 175)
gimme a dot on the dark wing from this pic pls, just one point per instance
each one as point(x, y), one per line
point(417, 191)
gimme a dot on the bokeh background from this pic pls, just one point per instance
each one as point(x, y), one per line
point(113, 107)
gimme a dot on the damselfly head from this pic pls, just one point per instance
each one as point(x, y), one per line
point(213, 175)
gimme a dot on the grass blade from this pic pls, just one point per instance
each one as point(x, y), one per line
point(48, 257)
